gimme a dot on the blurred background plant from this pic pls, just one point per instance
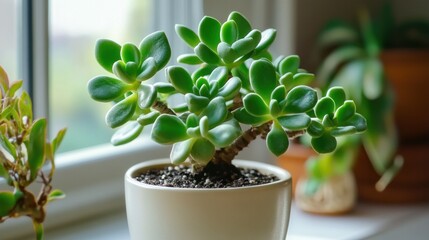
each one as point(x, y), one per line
point(24, 151)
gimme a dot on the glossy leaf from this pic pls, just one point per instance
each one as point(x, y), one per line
point(209, 31)
point(122, 111)
point(358, 121)
point(181, 151)
point(202, 151)
point(189, 36)
point(55, 195)
point(338, 95)
point(295, 122)
point(106, 89)
point(245, 117)
point(107, 52)
point(226, 52)
point(148, 118)
point(289, 64)
point(300, 79)
point(216, 111)
point(324, 144)
point(341, 131)
point(275, 108)
point(36, 147)
point(231, 88)
point(263, 79)
point(180, 79)
point(267, 39)
point(255, 105)
point(163, 87)
point(279, 93)
point(325, 106)
point(196, 103)
point(243, 24)
point(7, 203)
point(224, 134)
point(156, 45)
point(243, 46)
point(126, 133)
point(315, 129)
point(277, 140)
point(219, 75)
point(148, 69)
point(169, 129)
point(130, 53)
point(204, 70)
point(229, 32)
point(146, 96)
point(300, 99)
point(190, 59)
point(120, 70)
point(206, 54)
point(346, 111)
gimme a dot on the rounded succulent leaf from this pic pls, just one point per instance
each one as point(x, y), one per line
point(279, 93)
point(263, 79)
point(325, 106)
point(190, 59)
point(196, 103)
point(230, 89)
point(122, 111)
point(243, 24)
point(243, 46)
point(169, 129)
point(275, 108)
point(224, 135)
point(107, 52)
point(156, 45)
point(163, 87)
point(206, 54)
point(120, 70)
point(289, 64)
point(202, 151)
point(181, 151)
point(130, 53)
point(106, 89)
point(267, 39)
point(226, 52)
point(180, 78)
point(300, 99)
point(295, 122)
point(7, 203)
point(277, 140)
point(315, 129)
point(324, 144)
point(209, 32)
point(255, 105)
point(358, 121)
point(148, 69)
point(148, 118)
point(216, 111)
point(245, 117)
point(146, 96)
point(36, 147)
point(341, 131)
point(338, 95)
point(126, 133)
point(219, 75)
point(189, 36)
point(204, 70)
point(229, 32)
point(300, 79)
point(346, 111)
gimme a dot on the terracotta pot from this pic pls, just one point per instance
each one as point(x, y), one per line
point(164, 213)
point(408, 72)
point(410, 185)
point(294, 161)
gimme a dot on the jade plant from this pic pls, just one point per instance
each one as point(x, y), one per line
point(236, 94)
point(26, 157)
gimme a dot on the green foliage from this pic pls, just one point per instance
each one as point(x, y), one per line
point(236, 84)
point(25, 151)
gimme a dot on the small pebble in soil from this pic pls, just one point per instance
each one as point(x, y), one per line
point(182, 177)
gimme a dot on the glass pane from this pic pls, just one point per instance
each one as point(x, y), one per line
point(75, 25)
point(8, 37)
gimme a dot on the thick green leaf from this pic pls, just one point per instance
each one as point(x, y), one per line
point(243, 24)
point(180, 78)
point(148, 69)
point(279, 93)
point(277, 140)
point(325, 106)
point(245, 117)
point(341, 131)
point(202, 151)
point(130, 53)
point(289, 64)
point(216, 111)
point(56, 142)
point(300, 99)
point(300, 79)
point(55, 195)
point(209, 31)
point(255, 105)
point(204, 126)
point(169, 129)
point(275, 108)
point(328, 121)
point(324, 144)
point(206, 54)
point(350, 78)
point(127, 133)
point(295, 122)
point(338, 95)
point(196, 103)
point(226, 52)
point(120, 70)
point(243, 46)
point(7, 203)
point(229, 32)
point(242, 72)
point(231, 88)
point(224, 134)
point(287, 80)
point(156, 45)
point(148, 118)
point(107, 52)
point(267, 39)
point(106, 89)
point(181, 151)
point(263, 79)
point(122, 111)
point(190, 59)
point(189, 36)
point(346, 111)
point(146, 95)
point(315, 129)
point(163, 87)
point(219, 75)
point(36, 147)
point(204, 70)
point(358, 121)
point(14, 87)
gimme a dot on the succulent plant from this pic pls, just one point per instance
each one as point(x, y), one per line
point(237, 93)
point(24, 153)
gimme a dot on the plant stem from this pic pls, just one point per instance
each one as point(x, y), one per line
point(162, 108)
point(227, 154)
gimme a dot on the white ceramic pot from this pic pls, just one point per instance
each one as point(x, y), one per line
point(162, 213)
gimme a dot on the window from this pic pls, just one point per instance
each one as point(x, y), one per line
point(8, 39)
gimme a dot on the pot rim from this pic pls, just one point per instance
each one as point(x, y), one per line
point(283, 175)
